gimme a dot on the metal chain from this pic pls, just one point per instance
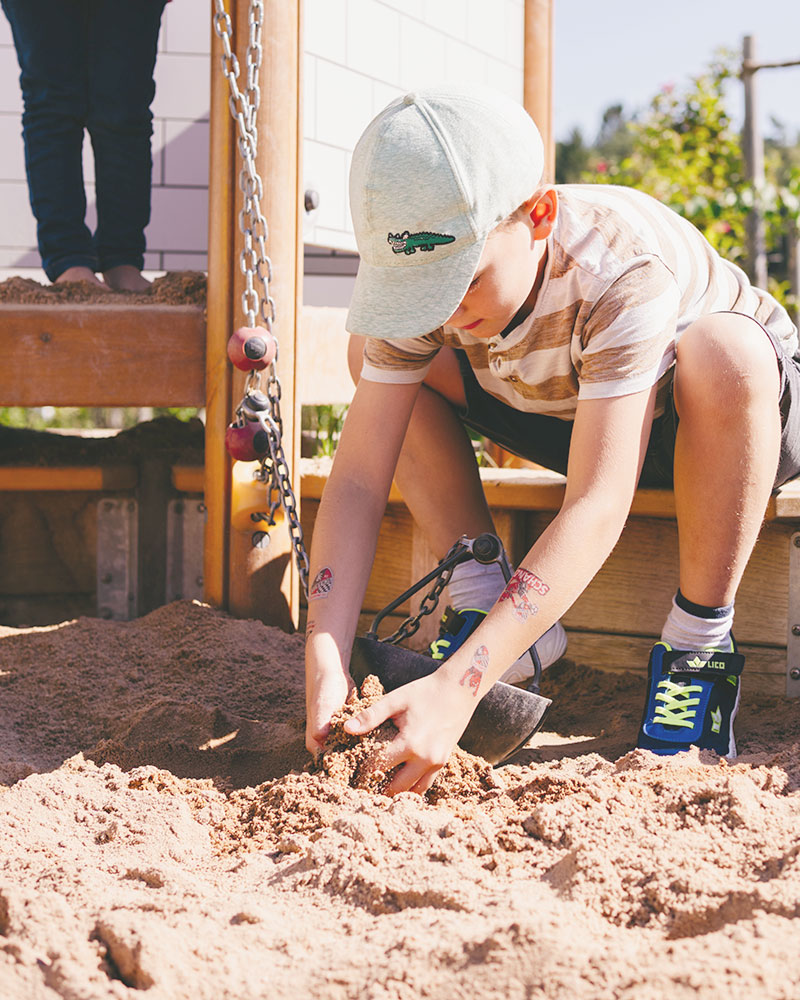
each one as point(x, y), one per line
point(255, 265)
point(427, 605)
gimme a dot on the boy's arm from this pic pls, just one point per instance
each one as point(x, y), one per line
point(345, 536)
point(609, 442)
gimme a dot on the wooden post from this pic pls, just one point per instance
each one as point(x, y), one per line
point(221, 222)
point(537, 98)
point(754, 166)
point(256, 582)
point(794, 270)
point(538, 76)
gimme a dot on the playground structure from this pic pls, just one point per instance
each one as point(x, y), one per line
point(176, 355)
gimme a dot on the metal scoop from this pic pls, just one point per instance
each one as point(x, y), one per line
point(507, 716)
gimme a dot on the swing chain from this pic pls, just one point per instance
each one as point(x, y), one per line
point(429, 602)
point(255, 264)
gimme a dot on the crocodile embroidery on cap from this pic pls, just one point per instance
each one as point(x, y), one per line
point(410, 242)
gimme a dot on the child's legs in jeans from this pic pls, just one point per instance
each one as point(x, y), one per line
point(727, 447)
point(122, 52)
point(50, 39)
point(437, 472)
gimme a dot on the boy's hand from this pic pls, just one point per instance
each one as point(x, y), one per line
point(426, 737)
point(325, 695)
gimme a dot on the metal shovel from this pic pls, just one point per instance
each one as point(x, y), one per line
point(507, 716)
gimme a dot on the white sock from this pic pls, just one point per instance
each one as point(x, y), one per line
point(683, 630)
point(478, 585)
point(475, 585)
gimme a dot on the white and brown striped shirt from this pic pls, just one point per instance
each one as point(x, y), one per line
point(623, 279)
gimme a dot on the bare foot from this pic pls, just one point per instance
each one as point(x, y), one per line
point(126, 278)
point(79, 274)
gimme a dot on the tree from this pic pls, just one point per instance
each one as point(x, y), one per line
point(684, 151)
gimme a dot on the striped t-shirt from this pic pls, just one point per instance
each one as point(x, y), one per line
point(624, 277)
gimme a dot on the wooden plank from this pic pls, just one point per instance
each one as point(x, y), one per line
point(633, 590)
point(47, 545)
point(391, 570)
point(537, 84)
point(263, 582)
point(221, 227)
point(541, 489)
point(188, 478)
point(102, 355)
point(322, 372)
point(31, 610)
point(51, 479)
point(785, 504)
point(765, 667)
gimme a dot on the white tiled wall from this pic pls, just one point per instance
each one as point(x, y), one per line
point(359, 55)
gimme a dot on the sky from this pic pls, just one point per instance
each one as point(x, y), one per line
point(625, 51)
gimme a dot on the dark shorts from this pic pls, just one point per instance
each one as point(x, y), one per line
point(546, 440)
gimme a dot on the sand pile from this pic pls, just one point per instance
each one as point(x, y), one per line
point(164, 830)
point(173, 288)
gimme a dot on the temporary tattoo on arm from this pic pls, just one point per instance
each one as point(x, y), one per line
point(310, 626)
point(322, 585)
point(474, 672)
point(517, 590)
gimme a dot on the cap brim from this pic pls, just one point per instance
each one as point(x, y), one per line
point(411, 300)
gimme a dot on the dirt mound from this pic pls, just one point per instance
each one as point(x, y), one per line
point(174, 288)
point(165, 830)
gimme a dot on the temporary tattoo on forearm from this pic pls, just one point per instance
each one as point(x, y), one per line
point(517, 589)
point(474, 672)
point(322, 585)
point(310, 626)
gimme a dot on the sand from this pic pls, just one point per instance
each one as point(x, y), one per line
point(165, 834)
point(173, 288)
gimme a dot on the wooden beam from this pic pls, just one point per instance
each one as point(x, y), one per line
point(74, 478)
point(263, 582)
point(221, 222)
point(102, 355)
point(542, 490)
point(323, 376)
point(538, 76)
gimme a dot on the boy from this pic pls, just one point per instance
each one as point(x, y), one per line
point(587, 328)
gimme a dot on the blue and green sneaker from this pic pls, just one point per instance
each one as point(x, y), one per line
point(457, 626)
point(692, 700)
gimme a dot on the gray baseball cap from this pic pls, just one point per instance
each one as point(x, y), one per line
point(431, 176)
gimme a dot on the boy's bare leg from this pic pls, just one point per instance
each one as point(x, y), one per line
point(726, 451)
point(437, 472)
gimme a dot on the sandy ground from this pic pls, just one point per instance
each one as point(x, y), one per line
point(173, 288)
point(162, 835)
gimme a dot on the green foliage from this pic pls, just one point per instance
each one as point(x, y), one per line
point(684, 151)
point(83, 417)
point(325, 423)
point(686, 154)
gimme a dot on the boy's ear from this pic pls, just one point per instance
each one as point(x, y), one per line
point(543, 212)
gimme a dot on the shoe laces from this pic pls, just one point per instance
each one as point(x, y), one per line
point(439, 648)
point(678, 707)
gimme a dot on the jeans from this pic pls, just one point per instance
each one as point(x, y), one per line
point(87, 64)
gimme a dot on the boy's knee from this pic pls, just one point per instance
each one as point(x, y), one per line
point(727, 351)
point(355, 356)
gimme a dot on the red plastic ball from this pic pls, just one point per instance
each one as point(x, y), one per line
point(246, 442)
point(252, 348)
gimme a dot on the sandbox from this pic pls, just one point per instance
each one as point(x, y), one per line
point(164, 831)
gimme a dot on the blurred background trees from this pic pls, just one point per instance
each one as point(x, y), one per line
point(684, 150)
